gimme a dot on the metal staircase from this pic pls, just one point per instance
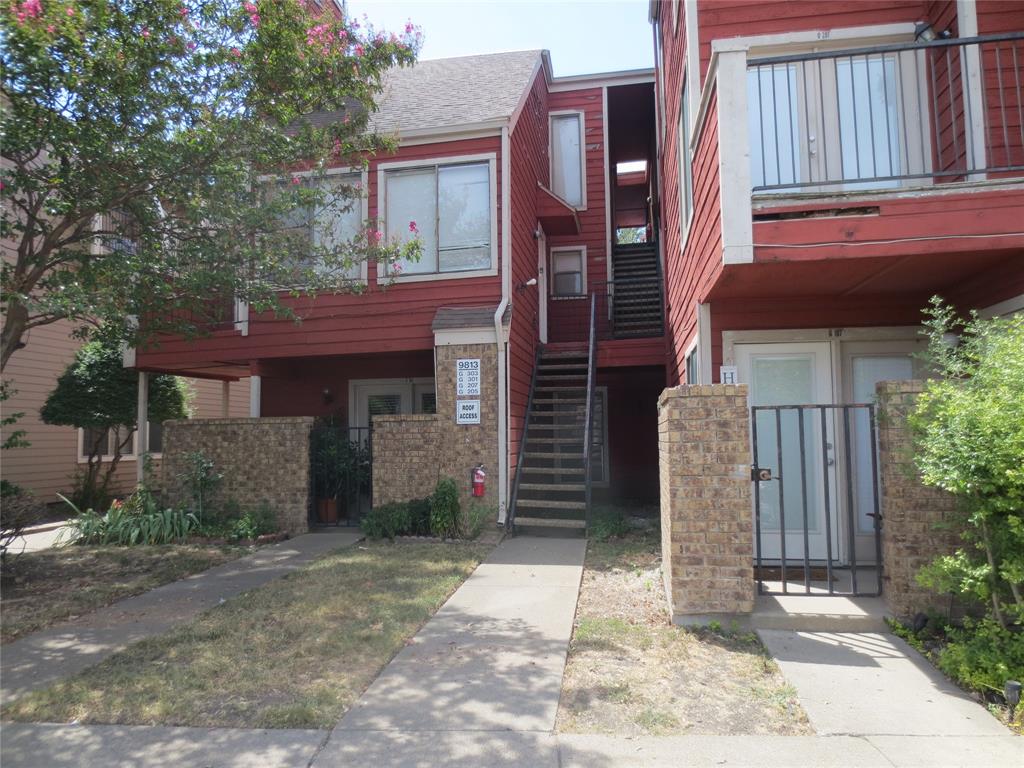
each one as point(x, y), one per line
point(551, 495)
point(636, 294)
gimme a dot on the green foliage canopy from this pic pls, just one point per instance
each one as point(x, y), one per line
point(969, 440)
point(97, 392)
point(139, 136)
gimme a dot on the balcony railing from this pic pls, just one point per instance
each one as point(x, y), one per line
point(887, 116)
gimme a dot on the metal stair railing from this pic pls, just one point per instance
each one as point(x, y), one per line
point(510, 518)
point(588, 424)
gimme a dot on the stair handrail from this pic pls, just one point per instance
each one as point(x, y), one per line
point(588, 423)
point(510, 517)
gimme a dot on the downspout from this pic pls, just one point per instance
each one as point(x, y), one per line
point(499, 330)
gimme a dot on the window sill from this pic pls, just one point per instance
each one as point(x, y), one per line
point(436, 276)
point(574, 297)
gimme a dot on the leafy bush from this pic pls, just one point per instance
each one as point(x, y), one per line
point(477, 516)
point(137, 520)
point(444, 509)
point(202, 478)
point(419, 517)
point(254, 523)
point(386, 521)
point(608, 522)
point(969, 440)
point(983, 655)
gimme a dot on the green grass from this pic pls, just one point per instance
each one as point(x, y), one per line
point(292, 654)
point(46, 587)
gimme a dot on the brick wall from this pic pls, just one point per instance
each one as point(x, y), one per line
point(912, 513)
point(410, 453)
point(706, 517)
point(263, 461)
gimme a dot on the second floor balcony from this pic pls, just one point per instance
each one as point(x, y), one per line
point(887, 116)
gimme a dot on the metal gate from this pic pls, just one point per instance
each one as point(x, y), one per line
point(341, 474)
point(817, 522)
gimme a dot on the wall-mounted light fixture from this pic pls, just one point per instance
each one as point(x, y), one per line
point(528, 284)
point(328, 396)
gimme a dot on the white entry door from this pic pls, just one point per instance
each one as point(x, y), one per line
point(792, 374)
point(371, 398)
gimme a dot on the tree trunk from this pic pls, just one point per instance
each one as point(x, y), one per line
point(14, 328)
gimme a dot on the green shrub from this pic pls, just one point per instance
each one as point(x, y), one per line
point(608, 522)
point(983, 655)
point(419, 517)
point(969, 440)
point(477, 516)
point(444, 509)
point(254, 523)
point(136, 520)
point(386, 521)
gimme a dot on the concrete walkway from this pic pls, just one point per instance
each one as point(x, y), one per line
point(873, 684)
point(39, 659)
point(40, 537)
point(69, 746)
point(491, 659)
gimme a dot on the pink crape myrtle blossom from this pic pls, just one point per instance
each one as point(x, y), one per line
point(413, 228)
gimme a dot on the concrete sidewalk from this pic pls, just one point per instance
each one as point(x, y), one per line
point(39, 659)
point(40, 537)
point(116, 746)
point(491, 659)
point(874, 684)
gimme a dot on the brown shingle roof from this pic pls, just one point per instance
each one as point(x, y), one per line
point(451, 92)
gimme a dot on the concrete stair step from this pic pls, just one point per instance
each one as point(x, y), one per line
point(527, 470)
point(550, 522)
point(549, 455)
point(553, 487)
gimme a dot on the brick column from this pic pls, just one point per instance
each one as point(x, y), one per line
point(915, 517)
point(706, 513)
point(412, 452)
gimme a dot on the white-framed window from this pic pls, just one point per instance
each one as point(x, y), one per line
point(453, 204)
point(112, 439)
point(339, 218)
point(693, 365)
point(568, 158)
point(685, 165)
point(569, 272)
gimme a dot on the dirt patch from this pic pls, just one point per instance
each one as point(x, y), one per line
point(632, 673)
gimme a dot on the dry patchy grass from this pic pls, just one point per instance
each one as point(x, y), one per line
point(631, 673)
point(46, 587)
point(292, 654)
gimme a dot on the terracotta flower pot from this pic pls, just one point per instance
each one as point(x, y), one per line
point(327, 510)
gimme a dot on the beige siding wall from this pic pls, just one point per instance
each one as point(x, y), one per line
point(47, 466)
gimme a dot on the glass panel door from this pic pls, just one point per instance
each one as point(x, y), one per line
point(791, 443)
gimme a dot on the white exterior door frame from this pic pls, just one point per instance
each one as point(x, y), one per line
point(542, 286)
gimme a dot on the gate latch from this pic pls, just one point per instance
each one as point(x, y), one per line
point(760, 474)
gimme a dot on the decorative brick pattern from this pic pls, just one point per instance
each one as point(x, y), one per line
point(913, 514)
point(263, 460)
point(706, 513)
point(411, 453)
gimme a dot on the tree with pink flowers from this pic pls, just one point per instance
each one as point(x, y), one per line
point(163, 158)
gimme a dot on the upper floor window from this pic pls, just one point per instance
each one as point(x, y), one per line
point(567, 163)
point(333, 222)
point(450, 206)
point(568, 271)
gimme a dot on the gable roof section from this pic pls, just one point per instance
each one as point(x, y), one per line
point(447, 93)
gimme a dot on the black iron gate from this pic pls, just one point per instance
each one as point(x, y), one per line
point(817, 519)
point(341, 474)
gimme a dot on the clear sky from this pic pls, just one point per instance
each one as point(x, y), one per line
point(584, 36)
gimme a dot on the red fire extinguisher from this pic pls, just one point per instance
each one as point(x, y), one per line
point(479, 477)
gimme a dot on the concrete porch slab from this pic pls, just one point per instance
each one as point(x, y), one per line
point(819, 613)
